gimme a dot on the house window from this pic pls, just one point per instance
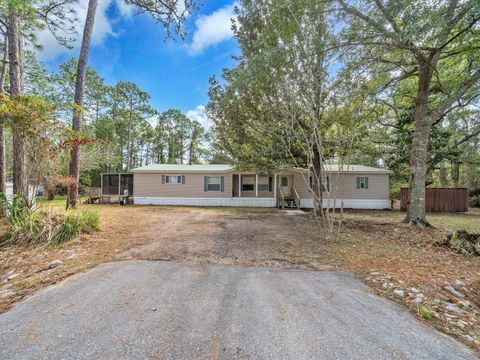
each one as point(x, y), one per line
point(362, 182)
point(265, 183)
point(214, 183)
point(248, 183)
point(313, 185)
point(173, 179)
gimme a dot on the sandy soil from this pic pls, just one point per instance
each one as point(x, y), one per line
point(225, 237)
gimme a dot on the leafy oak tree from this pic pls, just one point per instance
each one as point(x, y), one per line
point(434, 46)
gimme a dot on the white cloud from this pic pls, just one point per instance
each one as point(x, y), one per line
point(200, 114)
point(212, 29)
point(101, 30)
point(125, 9)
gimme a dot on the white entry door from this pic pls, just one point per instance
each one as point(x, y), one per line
point(285, 186)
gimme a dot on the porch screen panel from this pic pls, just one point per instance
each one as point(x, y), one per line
point(110, 184)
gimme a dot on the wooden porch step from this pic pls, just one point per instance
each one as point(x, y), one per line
point(290, 204)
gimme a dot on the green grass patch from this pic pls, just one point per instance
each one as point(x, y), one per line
point(448, 221)
point(425, 314)
point(40, 226)
point(351, 238)
point(470, 223)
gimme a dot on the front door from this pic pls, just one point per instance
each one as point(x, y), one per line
point(285, 185)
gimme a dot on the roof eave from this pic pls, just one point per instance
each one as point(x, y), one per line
point(182, 171)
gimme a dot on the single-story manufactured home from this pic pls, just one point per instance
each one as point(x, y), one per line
point(360, 187)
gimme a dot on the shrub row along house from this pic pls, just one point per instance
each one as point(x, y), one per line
point(359, 187)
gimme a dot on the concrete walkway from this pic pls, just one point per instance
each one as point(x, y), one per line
point(160, 310)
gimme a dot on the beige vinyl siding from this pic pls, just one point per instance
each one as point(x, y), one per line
point(150, 185)
point(248, 193)
point(260, 193)
point(265, 194)
point(378, 186)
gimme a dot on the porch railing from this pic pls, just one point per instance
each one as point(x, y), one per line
point(281, 198)
point(282, 202)
point(296, 197)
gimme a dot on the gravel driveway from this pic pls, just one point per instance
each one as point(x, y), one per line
point(163, 310)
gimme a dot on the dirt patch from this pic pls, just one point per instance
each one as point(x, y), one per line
point(260, 239)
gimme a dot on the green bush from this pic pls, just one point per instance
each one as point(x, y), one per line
point(395, 189)
point(31, 227)
point(16, 210)
point(84, 182)
point(474, 201)
point(73, 224)
point(474, 192)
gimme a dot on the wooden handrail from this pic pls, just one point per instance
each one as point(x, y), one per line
point(282, 197)
point(297, 197)
point(94, 191)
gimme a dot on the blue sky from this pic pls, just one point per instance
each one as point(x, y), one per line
point(132, 48)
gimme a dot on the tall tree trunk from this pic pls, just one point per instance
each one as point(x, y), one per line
point(418, 157)
point(456, 174)
point(129, 144)
point(472, 179)
point(442, 174)
point(16, 89)
point(79, 94)
point(317, 175)
point(182, 151)
point(147, 154)
point(170, 150)
point(3, 164)
point(190, 153)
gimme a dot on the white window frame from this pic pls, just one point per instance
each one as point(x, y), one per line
point(362, 183)
point(214, 183)
point(264, 183)
point(250, 182)
point(169, 178)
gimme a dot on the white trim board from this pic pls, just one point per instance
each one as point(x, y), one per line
point(259, 202)
point(349, 203)
point(233, 202)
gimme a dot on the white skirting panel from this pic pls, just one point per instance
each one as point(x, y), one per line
point(350, 203)
point(235, 202)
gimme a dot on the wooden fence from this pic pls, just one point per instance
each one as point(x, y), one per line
point(440, 200)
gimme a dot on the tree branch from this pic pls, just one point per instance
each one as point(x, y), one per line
point(441, 109)
point(388, 16)
point(353, 11)
point(468, 137)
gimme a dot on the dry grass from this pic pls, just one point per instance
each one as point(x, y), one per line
point(32, 264)
point(389, 255)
